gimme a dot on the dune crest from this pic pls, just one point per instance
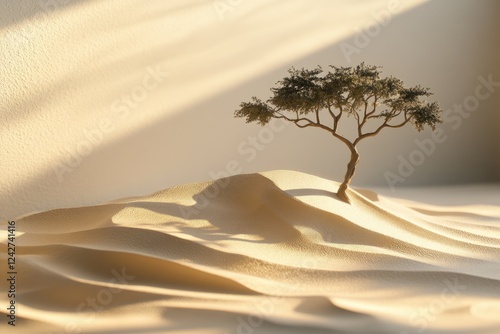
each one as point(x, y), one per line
point(274, 252)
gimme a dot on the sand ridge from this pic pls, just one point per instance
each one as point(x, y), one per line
point(273, 252)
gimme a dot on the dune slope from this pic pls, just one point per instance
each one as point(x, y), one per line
point(274, 252)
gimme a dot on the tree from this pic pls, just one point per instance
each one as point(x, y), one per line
point(311, 98)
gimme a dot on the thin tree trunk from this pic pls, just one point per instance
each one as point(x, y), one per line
point(351, 167)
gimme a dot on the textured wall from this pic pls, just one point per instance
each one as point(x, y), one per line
point(497, 105)
point(108, 98)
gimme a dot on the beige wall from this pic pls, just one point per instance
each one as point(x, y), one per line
point(69, 136)
point(497, 105)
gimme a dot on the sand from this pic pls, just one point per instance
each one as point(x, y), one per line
point(273, 252)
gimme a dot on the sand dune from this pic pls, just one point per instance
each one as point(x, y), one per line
point(273, 252)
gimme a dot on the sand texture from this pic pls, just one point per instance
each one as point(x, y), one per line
point(273, 252)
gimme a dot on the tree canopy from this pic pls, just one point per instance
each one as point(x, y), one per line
point(313, 98)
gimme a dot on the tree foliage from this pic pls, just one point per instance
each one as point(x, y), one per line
point(313, 98)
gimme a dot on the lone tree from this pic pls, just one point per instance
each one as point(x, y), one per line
point(310, 98)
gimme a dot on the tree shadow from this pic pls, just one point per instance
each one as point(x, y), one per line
point(253, 209)
point(369, 194)
point(312, 192)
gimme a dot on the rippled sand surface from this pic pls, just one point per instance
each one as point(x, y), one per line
point(274, 252)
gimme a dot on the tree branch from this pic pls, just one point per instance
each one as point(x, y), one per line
point(362, 122)
point(344, 140)
point(330, 110)
point(398, 125)
point(309, 122)
point(356, 116)
point(334, 117)
point(383, 125)
point(336, 120)
point(374, 106)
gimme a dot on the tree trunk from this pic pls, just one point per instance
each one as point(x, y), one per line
point(351, 167)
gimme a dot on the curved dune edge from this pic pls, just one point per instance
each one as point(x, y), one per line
point(274, 252)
